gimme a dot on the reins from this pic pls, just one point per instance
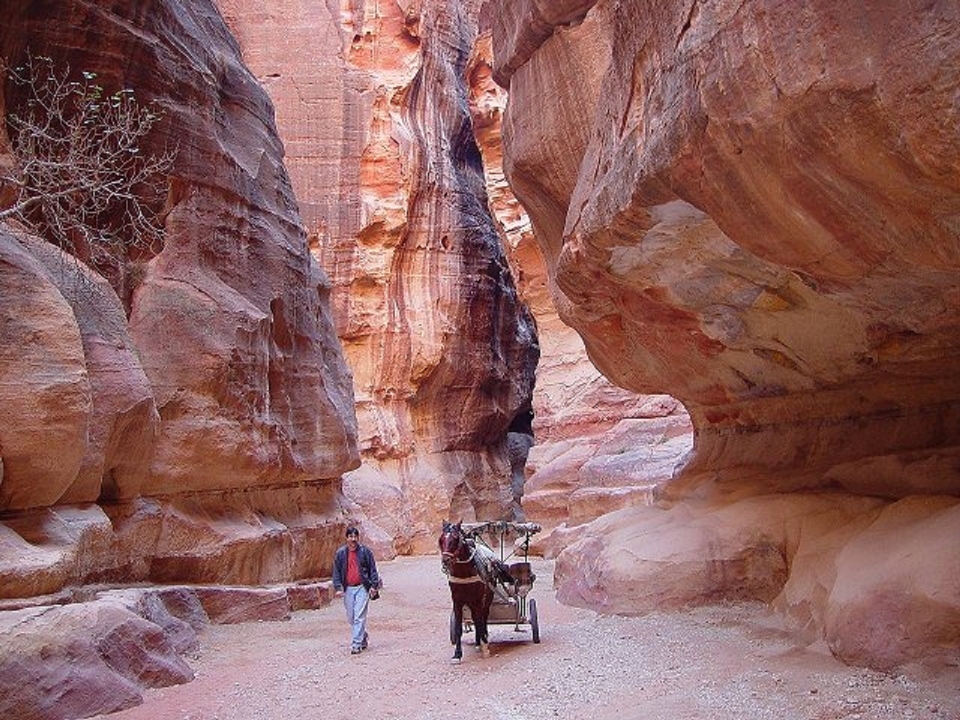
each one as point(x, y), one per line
point(451, 557)
point(463, 543)
point(473, 552)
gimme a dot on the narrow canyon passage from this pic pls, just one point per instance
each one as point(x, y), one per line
point(402, 240)
point(723, 663)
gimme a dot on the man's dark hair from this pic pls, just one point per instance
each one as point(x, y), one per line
point(352, 531)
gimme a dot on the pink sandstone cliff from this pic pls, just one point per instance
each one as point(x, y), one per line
point(597, 447)
point(357, 140)
point(199, 431)
point(685, 186)
point(753, 208)
point(372, 105)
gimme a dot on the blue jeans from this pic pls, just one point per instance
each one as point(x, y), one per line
point(355, 602)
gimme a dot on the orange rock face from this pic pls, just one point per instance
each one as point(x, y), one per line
point(596, 447)
point(42, 353)
point(373, 111)
point(752, 209)
point(752, 212)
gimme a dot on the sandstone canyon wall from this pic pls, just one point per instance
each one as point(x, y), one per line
point(372, 104)
point(753, 208)
point(199, 431)
point(596, 447)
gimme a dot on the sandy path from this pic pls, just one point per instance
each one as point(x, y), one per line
point(709, 664)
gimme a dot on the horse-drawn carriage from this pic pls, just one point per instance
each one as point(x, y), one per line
point(489, 586)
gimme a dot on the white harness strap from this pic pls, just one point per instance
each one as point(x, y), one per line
point(463, 581)
point(459, 580)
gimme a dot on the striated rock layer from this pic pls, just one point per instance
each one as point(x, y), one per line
point(754, 209)
point(372, 105)
point(65, 660)
point(199, 428)
point(597, 447)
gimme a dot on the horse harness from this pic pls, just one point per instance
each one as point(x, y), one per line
point(453, 579)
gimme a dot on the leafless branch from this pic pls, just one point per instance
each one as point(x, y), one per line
point(79, 177)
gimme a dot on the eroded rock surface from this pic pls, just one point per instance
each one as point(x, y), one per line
point(98, 653)
point(373, 108)
point(199, 426)
point(752, 208)
point(763, 230)
point(875, 580)
point(596, 447)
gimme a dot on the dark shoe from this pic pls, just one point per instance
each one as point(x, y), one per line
point(355, 651)
point(366, 640)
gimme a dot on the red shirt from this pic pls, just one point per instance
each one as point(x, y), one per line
point(353, 569)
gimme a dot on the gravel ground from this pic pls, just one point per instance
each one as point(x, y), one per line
point(726, 663)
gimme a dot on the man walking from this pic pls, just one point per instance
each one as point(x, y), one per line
point(355, 577)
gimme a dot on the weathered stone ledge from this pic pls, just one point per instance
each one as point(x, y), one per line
point(247, 538)
point(67, 660)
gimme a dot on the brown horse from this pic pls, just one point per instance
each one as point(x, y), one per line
point(466, 587)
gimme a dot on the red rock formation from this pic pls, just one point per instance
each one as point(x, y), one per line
point(597, 447)
point(753, 208)
point(44, 383)
point(77, 659)
point(373, 111)
point(732, 148)
point(222, 411)
point(92, 657)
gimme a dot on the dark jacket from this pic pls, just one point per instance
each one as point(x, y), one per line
point(368, 568)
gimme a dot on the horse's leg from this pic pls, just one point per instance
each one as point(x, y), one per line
point(476, 611)
point(483, 616)
point(482, 635)
point(457, 630)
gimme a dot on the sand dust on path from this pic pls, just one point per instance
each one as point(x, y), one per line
point(727, 663)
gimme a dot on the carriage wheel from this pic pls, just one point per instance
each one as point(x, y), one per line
point(534, 622)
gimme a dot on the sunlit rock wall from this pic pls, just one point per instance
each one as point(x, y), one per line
point(754, 209)
point(597, 447)
point(201, 430)
point(372, 105)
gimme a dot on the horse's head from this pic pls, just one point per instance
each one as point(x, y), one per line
point(453, 545)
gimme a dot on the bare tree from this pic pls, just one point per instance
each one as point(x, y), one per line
point(79, 177)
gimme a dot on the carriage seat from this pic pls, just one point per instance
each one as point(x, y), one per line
point(523, 577)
